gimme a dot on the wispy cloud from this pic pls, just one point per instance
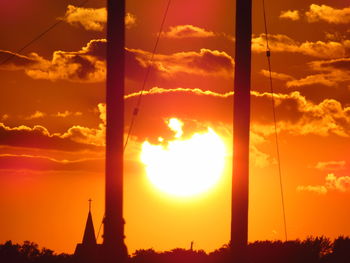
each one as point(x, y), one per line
point(276, 75)
point(319, 49)
point(44, 163)
point(13, 61)
point(332, 183)
point(188, 31)
point(157, 90)
point(331, 165)
point(36, 115)
point(203, 62)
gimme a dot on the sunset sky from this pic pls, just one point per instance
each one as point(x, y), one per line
point(52, 119)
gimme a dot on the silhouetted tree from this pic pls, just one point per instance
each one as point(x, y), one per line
point(29, 252)
point(341, 251)
point(310, 250)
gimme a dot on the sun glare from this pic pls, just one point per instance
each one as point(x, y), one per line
point(184, 167)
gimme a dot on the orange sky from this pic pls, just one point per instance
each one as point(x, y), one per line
point(52, 119)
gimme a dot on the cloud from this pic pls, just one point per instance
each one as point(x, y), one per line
point(36, 115)
point(157, 90)
point(44, 163)
point(319, 189)
point(12, 61)
point(322, 79)
point(296, 115)
point(74, 139)
point(319, 49)
point(93, 19)
point(328, 14)
point(187, 31)
point(39, 137)
point(259, 158)
point(333, 64)
point(130, 20)
point(333, 72)
point(85, 135)
point(275, 75)
point(88, 65)
point(332, 183)
point(290, 14)
point(85, 65)
point(331, 165)
point(204, 62)
point(66, 114)
point(4, 117)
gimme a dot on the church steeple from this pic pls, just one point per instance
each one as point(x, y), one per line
point(88, 250)
point(89, 233)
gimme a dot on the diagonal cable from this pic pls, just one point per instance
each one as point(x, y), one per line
point(12, 55)
point(138, 103)
point(268, 55)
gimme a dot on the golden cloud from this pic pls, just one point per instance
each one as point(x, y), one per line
point(67, 114)
point(275, 75)
point(188, 31)
point(13, 61)
point(75, 138)
point(283, 43)
point(157, 90)
point(319, 189)
point(332, 183)
point(296, 115)
point(290, 14)
point(36, 115)
point(204, 62)
point(333, 72)
point(93, 19)
point(331, 165)
point(86, 65)
point(328, 14)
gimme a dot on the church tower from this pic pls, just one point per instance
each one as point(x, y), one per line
point(87, 251)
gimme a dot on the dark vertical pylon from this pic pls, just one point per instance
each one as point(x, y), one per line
point(240, 176)
point(114, 249)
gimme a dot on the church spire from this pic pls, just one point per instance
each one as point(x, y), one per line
point(88, 251)
point(89, 237)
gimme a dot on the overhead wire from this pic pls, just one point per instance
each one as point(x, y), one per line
point(138, 103)
point(36, 38)
point(268, 55)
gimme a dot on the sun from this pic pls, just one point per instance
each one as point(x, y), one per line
point(185, 167)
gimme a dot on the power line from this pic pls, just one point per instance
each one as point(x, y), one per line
point(138, 103)
point(12, 55)
point(137, 107)
point(268, 55)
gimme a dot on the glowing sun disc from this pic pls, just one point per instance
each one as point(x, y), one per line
point(185, 167)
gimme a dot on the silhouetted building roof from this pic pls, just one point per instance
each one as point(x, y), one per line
point(88, 250)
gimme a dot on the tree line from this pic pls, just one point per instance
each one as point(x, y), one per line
point(310, 250)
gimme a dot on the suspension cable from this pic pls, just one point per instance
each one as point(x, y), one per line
point(268, 55)
point(12, 55)
point(138, 103)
